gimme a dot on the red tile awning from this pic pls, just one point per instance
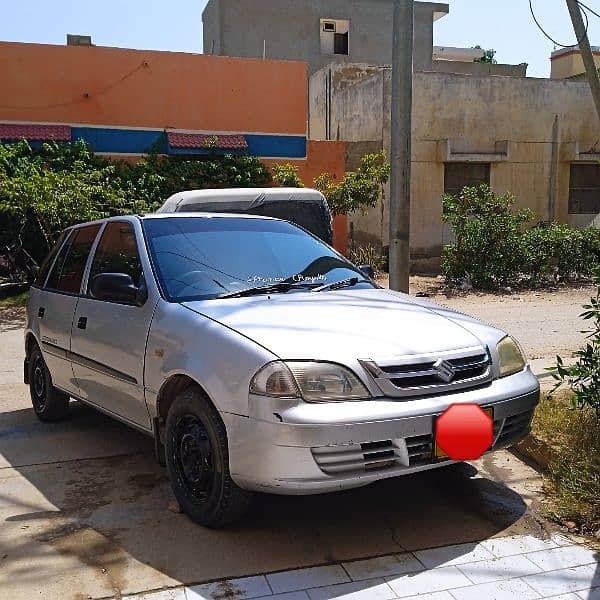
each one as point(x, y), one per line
point(35, 133)
point(199, 141)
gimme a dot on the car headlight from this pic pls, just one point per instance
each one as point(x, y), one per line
point(312, 381)
point(511, 357)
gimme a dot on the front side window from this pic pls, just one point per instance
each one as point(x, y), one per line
point(202, 258)
point(67, 274)
point(117, 252)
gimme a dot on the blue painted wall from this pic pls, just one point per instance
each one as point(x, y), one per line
point(131, 141)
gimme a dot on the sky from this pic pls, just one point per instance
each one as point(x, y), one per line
point(503, 25)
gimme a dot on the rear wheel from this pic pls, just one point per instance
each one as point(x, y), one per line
point(198, 462)
point(49, 403)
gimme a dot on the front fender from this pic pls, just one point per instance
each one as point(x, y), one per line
point(222, 361)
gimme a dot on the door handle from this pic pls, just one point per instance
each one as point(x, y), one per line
point(82, 323)
point(41, 312)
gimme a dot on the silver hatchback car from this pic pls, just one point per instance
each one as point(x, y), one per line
point(258, 357)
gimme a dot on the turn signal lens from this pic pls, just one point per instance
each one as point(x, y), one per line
point(275, 380)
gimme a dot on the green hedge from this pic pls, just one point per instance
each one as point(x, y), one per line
point(496, 246)
point(43, 191)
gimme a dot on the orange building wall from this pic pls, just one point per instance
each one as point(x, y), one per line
point(117, 87)
point(140, 88)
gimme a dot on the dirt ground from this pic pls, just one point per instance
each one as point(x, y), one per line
point(546, 323)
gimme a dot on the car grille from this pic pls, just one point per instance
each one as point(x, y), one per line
point(514, 428)
point(354, 459)
point(357, 458)
point(417, 376)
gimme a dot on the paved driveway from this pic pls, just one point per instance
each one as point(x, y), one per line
point(84, 514)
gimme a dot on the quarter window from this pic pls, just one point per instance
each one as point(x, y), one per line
point(584, 190)
point(67, 274)
point(460, 175)
point(117, 253)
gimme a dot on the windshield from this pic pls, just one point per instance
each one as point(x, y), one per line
point(199, 258)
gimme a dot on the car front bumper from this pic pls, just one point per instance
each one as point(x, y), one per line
point(289, 447)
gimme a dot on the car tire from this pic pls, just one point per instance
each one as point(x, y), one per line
point(198, 462)
point(49, 404)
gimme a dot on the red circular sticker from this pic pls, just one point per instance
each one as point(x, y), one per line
point(465, 432)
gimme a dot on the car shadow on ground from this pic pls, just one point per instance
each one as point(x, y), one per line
point(89, 490)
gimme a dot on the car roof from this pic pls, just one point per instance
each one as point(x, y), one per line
point(240, 197)
point(193, 215)
point(204, 215)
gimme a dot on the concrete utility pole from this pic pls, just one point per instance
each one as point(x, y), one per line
point(586, 51)
point(402, 87)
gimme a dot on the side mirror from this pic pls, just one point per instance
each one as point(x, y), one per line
point(367, 270)
point(118, 287)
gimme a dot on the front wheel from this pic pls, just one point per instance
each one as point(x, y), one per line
point(198, 462)
point(49, 403)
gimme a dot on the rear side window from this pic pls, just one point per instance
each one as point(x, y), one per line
point(117, 252)
point(42, 275)
point(67, 274)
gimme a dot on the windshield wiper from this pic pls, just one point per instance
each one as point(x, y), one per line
point(276, 288)
point(338, 285)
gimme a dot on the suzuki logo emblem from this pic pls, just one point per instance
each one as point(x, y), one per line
point(445, 371)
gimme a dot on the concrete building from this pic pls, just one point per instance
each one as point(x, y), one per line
point(537, 138)
point(567, 63)
point(321, 32)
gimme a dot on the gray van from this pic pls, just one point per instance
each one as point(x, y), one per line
point(301, 206)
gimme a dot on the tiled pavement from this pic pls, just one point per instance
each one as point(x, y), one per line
point(521, 567)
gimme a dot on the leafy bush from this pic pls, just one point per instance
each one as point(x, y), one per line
point(358, 190)
point(286, 176)
point(488, 250)
point(583, 378)
point(554, 252)
point(494, 246)
point(43, 191)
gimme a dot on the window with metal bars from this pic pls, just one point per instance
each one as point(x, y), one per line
point(584, 189)
point(460, 175)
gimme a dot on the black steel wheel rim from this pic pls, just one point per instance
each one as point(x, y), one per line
point(194, 457)
point(40, 391)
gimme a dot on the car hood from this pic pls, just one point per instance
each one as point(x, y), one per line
point(347, 324)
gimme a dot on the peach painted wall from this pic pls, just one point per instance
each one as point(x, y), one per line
point(139, 88)
point(324, 156)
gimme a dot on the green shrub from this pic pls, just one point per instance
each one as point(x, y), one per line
point(286, 176)
point(488, 250)
point(494, 246)
point(44, 190)
point(583, 377)
point(555, 253)
point(358, 190)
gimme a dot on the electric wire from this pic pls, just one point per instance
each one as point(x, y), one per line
point(586, 7)
point(541, 28)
